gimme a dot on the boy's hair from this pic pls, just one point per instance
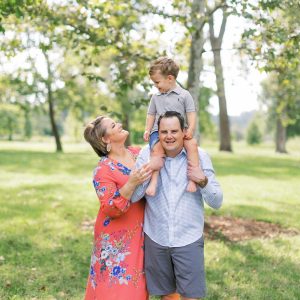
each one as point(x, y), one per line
point(171, 114)
point(165, 65)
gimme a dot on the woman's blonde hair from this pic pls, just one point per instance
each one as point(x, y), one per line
point(93, 134)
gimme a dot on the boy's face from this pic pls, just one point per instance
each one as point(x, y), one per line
point(163, 83)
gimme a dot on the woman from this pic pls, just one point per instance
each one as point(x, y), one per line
point(116, 270)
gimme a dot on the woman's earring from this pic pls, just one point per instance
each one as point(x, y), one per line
point(108, 147)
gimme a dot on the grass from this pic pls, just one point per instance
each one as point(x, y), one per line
point(44, 198)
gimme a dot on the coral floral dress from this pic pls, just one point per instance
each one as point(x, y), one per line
point(117, 262)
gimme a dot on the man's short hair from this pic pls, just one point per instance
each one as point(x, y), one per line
point(171, 114)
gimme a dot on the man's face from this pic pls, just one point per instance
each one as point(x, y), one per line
point(163, 83)
point(171, 136)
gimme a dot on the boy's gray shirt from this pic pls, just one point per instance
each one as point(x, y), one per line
point(178, 99)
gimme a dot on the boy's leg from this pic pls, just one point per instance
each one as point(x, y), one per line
point(191, 148)
point(156, 151)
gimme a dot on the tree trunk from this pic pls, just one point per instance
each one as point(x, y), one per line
point(195, 63)
point(51, 108)
point(280, 136)
point(216, 43)
point(126, 124)
point(27, 125)
point(10, 129)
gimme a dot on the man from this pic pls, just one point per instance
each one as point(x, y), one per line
point(174, 218)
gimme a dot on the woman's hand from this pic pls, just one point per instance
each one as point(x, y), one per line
point(138, 176)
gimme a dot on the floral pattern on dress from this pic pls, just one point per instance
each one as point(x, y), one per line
point(109, 257)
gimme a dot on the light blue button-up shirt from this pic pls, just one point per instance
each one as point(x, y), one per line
point(175, 217)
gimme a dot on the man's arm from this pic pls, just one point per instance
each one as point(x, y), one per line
point(211, 192)
point(142, 159)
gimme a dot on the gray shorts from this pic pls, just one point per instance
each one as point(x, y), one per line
point(175, 269)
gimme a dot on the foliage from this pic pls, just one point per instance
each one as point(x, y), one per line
point(206, 125)
point(253, 134)
point(99, 42)
point(9, 120)
point(273, 42)
point(16, 7)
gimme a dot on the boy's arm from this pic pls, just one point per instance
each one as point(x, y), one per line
point(191, 120)
point(149, 124)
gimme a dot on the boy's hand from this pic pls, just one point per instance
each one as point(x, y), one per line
point(146, 136)
point(188, 134)
point(156, 163)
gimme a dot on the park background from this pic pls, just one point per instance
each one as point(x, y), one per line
point(65, 62)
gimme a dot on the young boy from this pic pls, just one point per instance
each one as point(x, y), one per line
point(171, 97)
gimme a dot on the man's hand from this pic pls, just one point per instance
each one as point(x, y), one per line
point(195, 173)
point(146, 136)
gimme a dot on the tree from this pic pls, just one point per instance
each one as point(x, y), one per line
point(9, 120)
point(61, 31)
point(17, 8)
point(115, 28)
point(198, 14)
point(216, 44)
point(273, 42)
point(253, 134)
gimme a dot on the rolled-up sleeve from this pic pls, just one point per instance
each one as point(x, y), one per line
point(212, 193)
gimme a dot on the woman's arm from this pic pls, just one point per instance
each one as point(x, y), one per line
point(113, 201)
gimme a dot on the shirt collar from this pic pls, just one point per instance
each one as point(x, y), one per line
point(176, 90)
point(182, 152)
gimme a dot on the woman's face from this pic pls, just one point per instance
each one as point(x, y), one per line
point(114, 131)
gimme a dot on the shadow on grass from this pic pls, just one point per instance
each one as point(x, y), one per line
point(288, 216)
point(29, 201)
point(75, 163)
point(246, 273)
point(59, 271)
point(259, 167)
point(47, 163)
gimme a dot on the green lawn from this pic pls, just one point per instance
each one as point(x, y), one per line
point(45, 197)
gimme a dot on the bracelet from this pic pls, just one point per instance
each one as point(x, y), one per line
point(203, 182)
